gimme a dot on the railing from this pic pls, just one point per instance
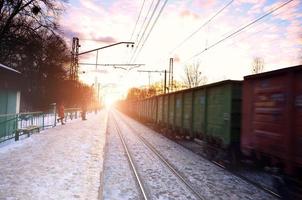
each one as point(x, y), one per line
point(10, 124)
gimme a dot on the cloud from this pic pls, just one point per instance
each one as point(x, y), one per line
point(90, 5)
point(288, 12)
point(275, 38)
point(251, 1)
point(104, 39)
point(190, 14)
point(204, 3)
point(176, 58)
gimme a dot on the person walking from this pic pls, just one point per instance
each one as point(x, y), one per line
point(61, 113)
point(84, 110)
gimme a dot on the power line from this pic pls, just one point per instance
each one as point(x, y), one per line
point(145, 19)
point(203, 25)
point(150, 19)
point(259, 31)
point(142, 26)
point(242, 28)
point(146, 38)
point(139, 15)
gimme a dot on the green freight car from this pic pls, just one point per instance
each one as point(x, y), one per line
point(160, 117)
point(222, 113)
point(171, 111)
point(211, 112)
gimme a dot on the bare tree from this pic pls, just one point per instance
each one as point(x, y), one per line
point(28, 15)
point(257, 65)
point(193, 76)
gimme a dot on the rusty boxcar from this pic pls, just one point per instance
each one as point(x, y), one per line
point(272, 117)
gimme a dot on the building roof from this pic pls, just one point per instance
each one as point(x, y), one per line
point(8, 68)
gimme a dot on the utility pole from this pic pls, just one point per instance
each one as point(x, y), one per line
point(165, 84)
point(171, 75)
point(96, 83)
point(155, 71)
point(74, 65)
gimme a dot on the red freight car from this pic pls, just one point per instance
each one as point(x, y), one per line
point(272, 116)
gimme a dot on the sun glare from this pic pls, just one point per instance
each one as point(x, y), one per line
point(109, 101)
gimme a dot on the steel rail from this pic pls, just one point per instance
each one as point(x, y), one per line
point(257, 185)
point(130, 159)
point(170, 167)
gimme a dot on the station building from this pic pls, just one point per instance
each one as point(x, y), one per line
point(9, 90)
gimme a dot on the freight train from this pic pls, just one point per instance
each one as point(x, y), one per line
point(260, 116)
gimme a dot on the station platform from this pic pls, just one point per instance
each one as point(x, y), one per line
point(64, 162)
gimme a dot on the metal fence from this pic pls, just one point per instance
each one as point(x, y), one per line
point(12, 124)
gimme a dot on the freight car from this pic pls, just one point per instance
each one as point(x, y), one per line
point(272, 118)
point(270, 127)
point(210, 112)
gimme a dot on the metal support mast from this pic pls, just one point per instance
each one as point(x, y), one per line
point(74, 65)
point(165, 84)
point(155, 71)
point(171, 84)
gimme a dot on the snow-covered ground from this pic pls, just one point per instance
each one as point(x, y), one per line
point(211, 181)
point(64, 162)
point(118, 180)
point(158, 180)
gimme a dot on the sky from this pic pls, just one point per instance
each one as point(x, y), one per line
point(277, 38)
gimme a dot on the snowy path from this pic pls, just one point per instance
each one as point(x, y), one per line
point(64, 162)
point(209, 180)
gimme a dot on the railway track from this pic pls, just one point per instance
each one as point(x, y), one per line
point(130, 159)
point(139, 179)
point(257, 185)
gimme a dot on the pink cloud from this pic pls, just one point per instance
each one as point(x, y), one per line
point(126, 7)
point(188, 13)
point(104, 39)
point(90, 5)
point(288, 12)
point(257, 7)
point(251, 1)
point(294, 32)
point(176, 59)
point(204, 3)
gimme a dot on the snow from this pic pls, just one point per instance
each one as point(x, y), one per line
point(64, 162)
point(211, 181)
point(69, 162)
point(118, 181)
point(159, 180)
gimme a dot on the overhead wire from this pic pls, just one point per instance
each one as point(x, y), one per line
point(200, 27)
point(146, 27)
point(155, 21)
point(203, 25)
point(142, 26)
point(260, 31)
point(241, 29)
point(139, 15)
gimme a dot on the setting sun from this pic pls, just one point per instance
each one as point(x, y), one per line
point(109, 100)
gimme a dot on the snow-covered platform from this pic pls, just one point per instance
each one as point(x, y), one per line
point(64, 162)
